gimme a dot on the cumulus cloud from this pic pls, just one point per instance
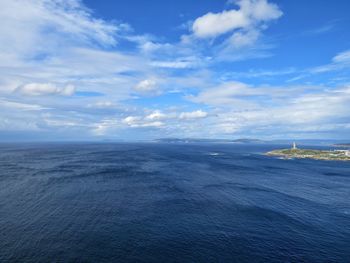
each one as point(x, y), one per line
point(147, 86)
point(156, 115)
point(160, 119)
point(147, 46)
point(212, 25)
point(38, 89)
point(247, 19)
point(287, 109)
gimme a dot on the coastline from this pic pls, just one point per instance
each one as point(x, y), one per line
point(324, 155)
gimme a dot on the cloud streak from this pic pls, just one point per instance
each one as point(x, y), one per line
point(38, 89)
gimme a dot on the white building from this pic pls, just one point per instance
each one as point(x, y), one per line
point(345, 152)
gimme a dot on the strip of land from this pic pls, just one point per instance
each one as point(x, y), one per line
point(342, 145)
point(336, 155)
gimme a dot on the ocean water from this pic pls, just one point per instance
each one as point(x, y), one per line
point(155, 202)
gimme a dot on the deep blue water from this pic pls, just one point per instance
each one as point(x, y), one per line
point(170, 203)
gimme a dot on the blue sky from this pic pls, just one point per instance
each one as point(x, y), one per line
point(139, 70)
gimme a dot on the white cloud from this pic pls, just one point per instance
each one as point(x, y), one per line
point(260, 10)
point(193, 115)
point(102, 105)
point(24, 22)
point(339, 62)
point(234, 94)
point(227, 94)
point(343, 57)
point(178, 64)
point(131, 120)
point(46, 44)
point(60, 41)
point(242, 39)
point(138, 122)
point(19, 106)
point(241, 108)
point(168, 120)
point(212, 25)
point(104, 126)
point(147, 86)
point(321, 30)
point(150, 46)
point(156, 115)
point(249, 17)
point(259, 73)
point(38, 89)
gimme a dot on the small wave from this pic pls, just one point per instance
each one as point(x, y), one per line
point(285, 158)
point(214, 154)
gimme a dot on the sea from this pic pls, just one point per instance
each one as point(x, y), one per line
point(164, 202)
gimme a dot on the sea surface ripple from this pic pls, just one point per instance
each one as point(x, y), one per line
point(154, 202)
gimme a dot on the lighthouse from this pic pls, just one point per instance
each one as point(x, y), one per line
point(294, 146)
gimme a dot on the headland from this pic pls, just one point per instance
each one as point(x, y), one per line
point(294, 152)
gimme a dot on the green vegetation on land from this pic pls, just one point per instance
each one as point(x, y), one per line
point(311, 154)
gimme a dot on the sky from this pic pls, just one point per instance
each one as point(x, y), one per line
point(142, 70)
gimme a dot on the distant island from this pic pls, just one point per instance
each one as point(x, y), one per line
point(203, 140)
point(342, 145)
point(294, 152)
point(247, 140)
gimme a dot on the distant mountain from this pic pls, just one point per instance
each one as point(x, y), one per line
point(246, 140)
point(187, 140)
point(320, 142)
point(199, 140)
point(342, 145)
